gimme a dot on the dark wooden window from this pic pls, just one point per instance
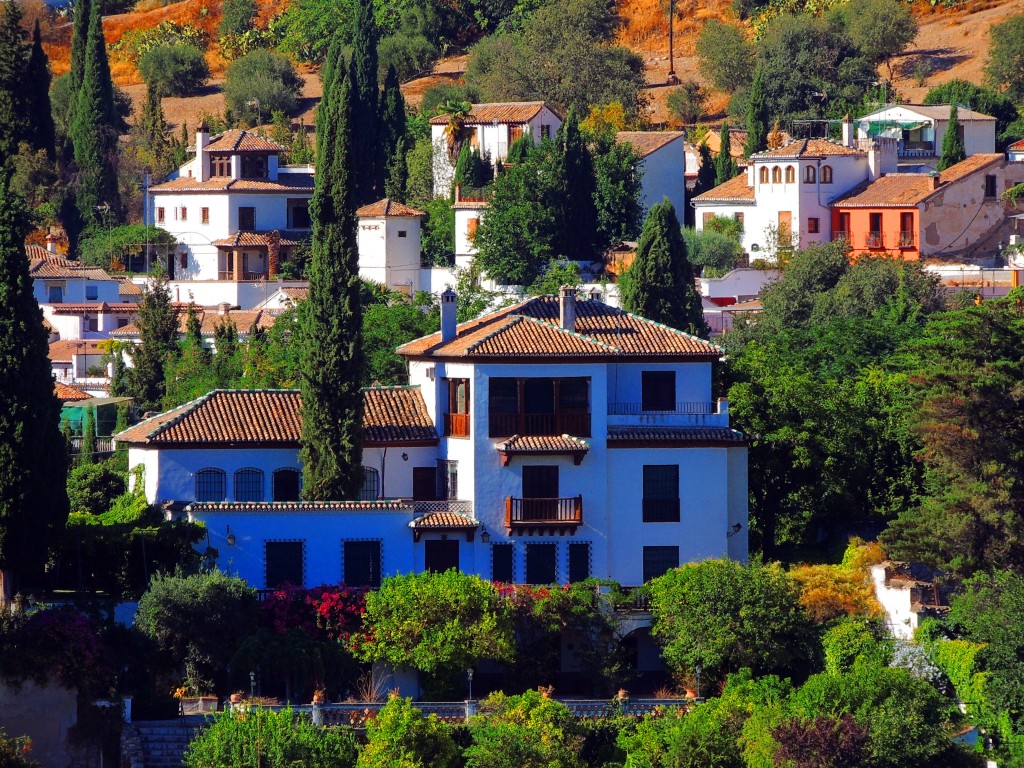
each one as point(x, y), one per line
point(844, 224)
point(220, 165)
point(204, 214)
point(990, 186)
point(826, 174)
point(211, 485)
point(539, 406)
point(541, 563)
point(254, 167)
point(579, 561)
point(441, 556)
point(184, 213)
point(457, 421)
point(661, 493)
point(658, 391)
point(370, 490)
point(286, 485)
point(361, 563)
point(540, 482)
point(246, 219)
point(298, 214)
point(447, 479)
point(424, 483)
point(503, 563)
point(285, 563)
point(810, 176)
point(249, 484)
point(659, 560)
point(813, 225)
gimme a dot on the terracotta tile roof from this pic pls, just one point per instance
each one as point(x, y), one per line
point(127, 287)
point(734, 190)
point(808, 148)
point(286, 182)
point(297, 293)
point(530, 445)
point(270, 507)
point(387, 207)
point(737, 142)
point(101, 307)
point(932, 111)
point(645, 434)
point(396, 415)
point(530, 329)
point(245, 320)
point(901, 190)
point(444, 521)
point(34, 251)
point(61, 351)
point(1017, 146)
point(237, 140)
point(250, 240)
point(503, 112)
point(647, 142)
point(67, 394)
point(59, 268)
point(244, 417)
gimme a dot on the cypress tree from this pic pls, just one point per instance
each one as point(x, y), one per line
point(13, 126)
point(79, 35)
point(368, 150)
point(37, 96)
point(392, 119)
point(330, 329)
point(302, 153)
point(660, 284)
point(574, 190)
point(725, 166)
point(953, 150)
point(158, 341)
point(87, 454)
point(707, 173)
point(33, 456)
point(94, 130)
point(757, 116)
point(151, 130)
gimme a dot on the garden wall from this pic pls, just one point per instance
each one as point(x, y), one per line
point(44, 714)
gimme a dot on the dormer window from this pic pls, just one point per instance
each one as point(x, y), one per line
point(220, 165)
point(254, 167)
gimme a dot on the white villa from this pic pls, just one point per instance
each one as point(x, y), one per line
point(550, 441)
point(491, 129)
point(919, 129)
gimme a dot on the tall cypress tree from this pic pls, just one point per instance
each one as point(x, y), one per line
point(79, 35)
point(158, 341)
point(87, 454)
point(660, 284)
point(706, 174)
point(151, 133)
point(953, 150)
point(757, 116)
point(33, 456)
point(574, 190)
point(392, 118)
point(13, 125)
point(725, 166)
point(37, 97)
point(368, 148)
point(331, 317)
point(94, 130)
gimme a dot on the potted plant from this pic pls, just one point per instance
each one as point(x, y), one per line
point(237, 696)
point(320, 696)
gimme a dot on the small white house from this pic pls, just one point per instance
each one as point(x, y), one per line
point(1015, 152)
point(907, 593)
point(663, 165)
point(389, 245)
point(919, 129)
point(490, 129)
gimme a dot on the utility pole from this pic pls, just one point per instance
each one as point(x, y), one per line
point(672, 78)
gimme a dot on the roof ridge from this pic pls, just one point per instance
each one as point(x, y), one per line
point(384, 387)
point(577, 334)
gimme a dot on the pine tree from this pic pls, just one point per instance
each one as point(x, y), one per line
point(725, 166)
point(158, 341)
point(953, 150)
point(392, 118)
point(660, 284)
point(94, 130)
point(13, 125)
point(42, 133)
point(87, 453)
point(574, 190)
point(757, 116)
point(368, 150)
point(331, 317)
point(33, 457)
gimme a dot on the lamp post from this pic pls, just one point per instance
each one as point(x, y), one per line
point(469, 676)
point(697, 670)
point(672, 79)
point(252, 685)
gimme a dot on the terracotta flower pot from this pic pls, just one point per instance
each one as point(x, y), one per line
point(691, 693)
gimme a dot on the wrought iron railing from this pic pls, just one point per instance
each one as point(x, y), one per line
point(875, 240)
point(564, 511)
point(636, 409)
point(459, 506)
point(907, 239)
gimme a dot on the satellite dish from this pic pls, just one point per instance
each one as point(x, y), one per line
point(865, 126)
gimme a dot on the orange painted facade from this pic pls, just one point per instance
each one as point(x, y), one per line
point(894, 232)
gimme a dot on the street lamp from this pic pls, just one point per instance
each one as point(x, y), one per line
point(255, 103)
point(252, 685)
point(469, 675)
point(697, 670)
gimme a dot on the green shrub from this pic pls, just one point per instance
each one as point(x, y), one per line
point(409, 54)
point(14, 752)
point(237, 17)
point(92, 488)
point(136, 42)
point(686, 103)
point(174, 70)
point(260, 83)
point(400, 735)
point(852, 639)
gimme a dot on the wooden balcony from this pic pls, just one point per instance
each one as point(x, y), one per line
point(508, 424)
point(456, 425)
point(539, 515)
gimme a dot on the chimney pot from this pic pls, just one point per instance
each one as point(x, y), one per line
point(224, 308)
point(449, 308)
point(567, 307)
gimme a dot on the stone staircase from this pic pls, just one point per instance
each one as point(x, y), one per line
point(162, 743)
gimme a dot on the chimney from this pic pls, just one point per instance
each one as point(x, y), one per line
point(595, 293)
point(847, 131)
point(936, 180)
point(223, 309)
point(202, 136)
point(567, 308)
point(202, 161)
point(51, 243)
point(449, 305)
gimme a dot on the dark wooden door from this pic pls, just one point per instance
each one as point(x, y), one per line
point(424, 483)
point(441, 556)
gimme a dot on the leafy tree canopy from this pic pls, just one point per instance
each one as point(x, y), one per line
point(1005, 66)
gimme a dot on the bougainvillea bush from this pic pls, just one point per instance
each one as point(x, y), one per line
point(60, 644)
point(16, 752)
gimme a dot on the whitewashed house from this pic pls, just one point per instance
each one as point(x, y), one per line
point(907, 593)
point(389, 245)
point(663, 165)
point(1015, 152)
point(550, 441)
point(490, 129)
point(919, 129)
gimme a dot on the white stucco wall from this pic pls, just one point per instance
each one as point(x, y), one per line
point(899, 618)
point(389, 252)
point(740, 284)
point(664, 175)
point(979, 135)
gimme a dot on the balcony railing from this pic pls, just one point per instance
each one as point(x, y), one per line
point(875, 240)
point(916, 149)
point(840, 234)
point(683, 409)
point(906, 239)
point(249, 276)
point(535, 513)
point(508, 424)
point(456, 425)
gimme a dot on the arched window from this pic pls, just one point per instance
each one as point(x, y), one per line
point(286, 484)
point(826, 174)
point(790, 174)
point(249, 484)
point(809, 174)
point(776, 175)
point(370, 490)
point(211, 485)
point(763, 175)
